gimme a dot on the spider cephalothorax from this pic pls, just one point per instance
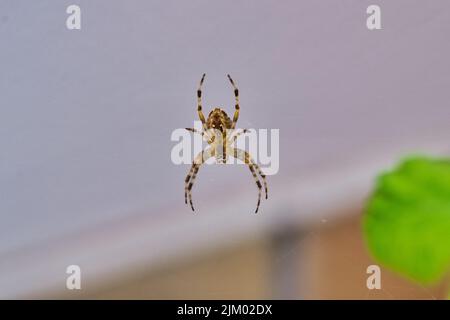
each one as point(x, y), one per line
point(218, 130)
point(218, 119)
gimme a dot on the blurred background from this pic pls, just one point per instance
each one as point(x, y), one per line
point(86, 118)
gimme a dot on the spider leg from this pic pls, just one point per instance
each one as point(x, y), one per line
point(236, 96)
point(235, 136)
point(204, 134)
point(201, 158)
point(246, 158)
point(195, 131)
point(199, 103)
point(195, 168)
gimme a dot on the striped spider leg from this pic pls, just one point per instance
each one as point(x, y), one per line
point(236, 106)
point(245, 157)
point(199, 103)
point(201, 158)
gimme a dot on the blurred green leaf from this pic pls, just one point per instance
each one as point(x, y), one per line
point(407, 219)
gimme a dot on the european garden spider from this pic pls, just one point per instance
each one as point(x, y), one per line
point(219, 132)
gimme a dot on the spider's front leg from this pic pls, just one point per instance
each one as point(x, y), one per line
point(245, 157)
point(201, 158)
point(236, 96)
point(199, 103)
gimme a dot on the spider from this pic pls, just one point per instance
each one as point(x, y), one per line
point(219, 131)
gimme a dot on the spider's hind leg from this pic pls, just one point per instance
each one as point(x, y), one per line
point(189, 182)
point(190, 178)
point(246, 158)
point(263, 176)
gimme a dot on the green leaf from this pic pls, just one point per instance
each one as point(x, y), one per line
point(407, 219)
